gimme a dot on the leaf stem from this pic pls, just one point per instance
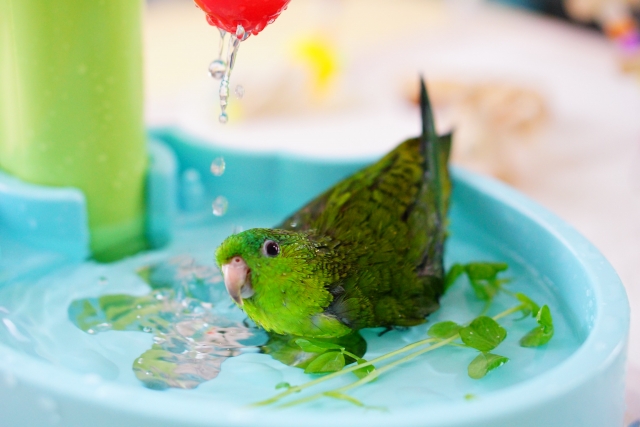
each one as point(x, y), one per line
point(376, 373)
point(351, 368)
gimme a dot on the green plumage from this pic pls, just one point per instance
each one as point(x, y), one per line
point(366, 253)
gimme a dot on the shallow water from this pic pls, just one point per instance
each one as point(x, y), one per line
point(190, 334)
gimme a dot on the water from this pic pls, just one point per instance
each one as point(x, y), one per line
point(220, 206)
point(164, 321)
point(221, 70)
point(218, 166)
point(190, 341)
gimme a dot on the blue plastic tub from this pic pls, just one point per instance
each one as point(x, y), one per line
point(51, 373)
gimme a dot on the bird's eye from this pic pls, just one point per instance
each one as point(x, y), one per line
point(270, 248)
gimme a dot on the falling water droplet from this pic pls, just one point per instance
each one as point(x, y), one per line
point(224, 118)
point(239, 91)
point(147, 329)
point(217, 69)
point(220, 206)
point(103, 281)
point(218, 166)
point(237, 229)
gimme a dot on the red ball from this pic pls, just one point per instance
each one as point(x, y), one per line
point(253, 15)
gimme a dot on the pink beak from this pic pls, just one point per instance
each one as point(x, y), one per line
point(236, 279)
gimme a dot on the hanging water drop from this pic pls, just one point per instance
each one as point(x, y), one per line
point(241, 33)
point(217, 69)
point(224, 118)
point(218, 166)
point(220, 206)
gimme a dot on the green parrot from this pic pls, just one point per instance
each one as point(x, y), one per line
point(366, 253)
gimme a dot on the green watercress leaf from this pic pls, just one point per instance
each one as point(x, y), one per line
point(453, 274)
point(485, 270)
point(483, 277)
point(282, 385)
point(530, 307)
point(485, 363)
point(541, 334)
point(444, 330)
point(483, 334)
point(313, 346)
point(365, 370)
point(331, 361)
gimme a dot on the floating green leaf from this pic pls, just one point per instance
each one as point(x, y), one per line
point(484, 363)
point(331, 361)
point(530, 307)
point(444, 330)
point(483, 277)
point(483, 334)
point(541, 334)
point(365, 370)
point(313, 346)
point(282, 385)
point(485, 270)
point(453, 274)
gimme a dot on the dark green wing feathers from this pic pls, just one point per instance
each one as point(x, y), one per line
point(386, 226)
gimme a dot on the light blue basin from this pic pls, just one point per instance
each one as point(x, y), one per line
point(581, 385)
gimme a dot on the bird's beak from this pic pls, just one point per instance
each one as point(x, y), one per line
point(237, 280)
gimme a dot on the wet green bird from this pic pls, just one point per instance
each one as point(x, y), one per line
point(366, 253)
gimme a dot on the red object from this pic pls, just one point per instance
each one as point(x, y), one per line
point(253, 15)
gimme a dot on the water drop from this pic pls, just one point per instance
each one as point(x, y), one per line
point(218, 166)
point(240, 32)
point(220, 206)
point(224, 118)
point(103, 281)
point(237, 229)
point(239, 91)
point(217, 69)
point(147, 329)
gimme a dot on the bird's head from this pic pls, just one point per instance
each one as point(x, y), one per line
point(279, 277)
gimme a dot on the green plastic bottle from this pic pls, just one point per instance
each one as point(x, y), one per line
point(71, 109)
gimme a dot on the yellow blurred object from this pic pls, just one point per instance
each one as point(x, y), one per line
point(319, 56)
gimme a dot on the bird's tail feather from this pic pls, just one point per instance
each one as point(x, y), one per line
point(436, 150)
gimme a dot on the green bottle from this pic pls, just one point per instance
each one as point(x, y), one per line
point(71, 109)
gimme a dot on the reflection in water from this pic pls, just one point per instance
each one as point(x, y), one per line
point(188, 312)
